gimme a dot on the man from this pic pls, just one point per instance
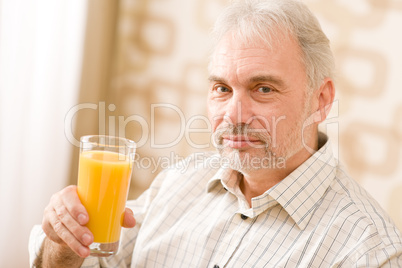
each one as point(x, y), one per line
point(278, 197)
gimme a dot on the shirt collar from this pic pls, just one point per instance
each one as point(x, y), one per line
point(299, 193)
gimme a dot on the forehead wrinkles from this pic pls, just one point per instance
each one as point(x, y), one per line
point(235, 60)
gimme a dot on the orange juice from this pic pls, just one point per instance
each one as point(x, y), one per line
point(103, 182)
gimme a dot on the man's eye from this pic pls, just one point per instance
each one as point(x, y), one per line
point(264, 89)
point(222, 89)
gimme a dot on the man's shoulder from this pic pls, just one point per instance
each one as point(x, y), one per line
point(356, 208)
point(350, 191)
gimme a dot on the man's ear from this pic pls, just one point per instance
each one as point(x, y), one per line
point(322, 99)
point(325, 96)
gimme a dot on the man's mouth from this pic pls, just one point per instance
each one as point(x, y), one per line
point(239, 141)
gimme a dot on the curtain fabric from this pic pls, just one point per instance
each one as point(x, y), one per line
point(41, 44)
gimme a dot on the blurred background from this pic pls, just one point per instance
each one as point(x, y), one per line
point(137, 68)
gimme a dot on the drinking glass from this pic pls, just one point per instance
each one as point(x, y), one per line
point(104, 175)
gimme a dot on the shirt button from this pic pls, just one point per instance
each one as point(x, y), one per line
point(244, 217)
point(216, 266)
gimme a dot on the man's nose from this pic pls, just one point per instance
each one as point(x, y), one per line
point(239, 110)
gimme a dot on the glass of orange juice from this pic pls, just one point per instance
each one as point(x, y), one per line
point(104, 175)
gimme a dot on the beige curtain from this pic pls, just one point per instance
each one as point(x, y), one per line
point(88, 115)
point(40, 64)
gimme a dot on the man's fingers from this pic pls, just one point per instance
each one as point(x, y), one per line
point(69, 198)
point(50, 233)
point(58, 232)
point(128, 221)
point(64, 220)
point(64, 208)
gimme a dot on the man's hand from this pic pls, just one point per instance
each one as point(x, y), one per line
point(64, 222)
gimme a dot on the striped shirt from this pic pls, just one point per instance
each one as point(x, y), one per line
point(195, 215)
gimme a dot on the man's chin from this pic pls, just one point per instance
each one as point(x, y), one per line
point(229, 152)
point(245, 161)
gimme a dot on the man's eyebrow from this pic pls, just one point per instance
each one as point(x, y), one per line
point(255, 79)
point(267, 78)
point(214, 78)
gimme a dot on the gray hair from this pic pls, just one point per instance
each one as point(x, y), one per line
point(251, 19)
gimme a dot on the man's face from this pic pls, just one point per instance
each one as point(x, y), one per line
point(257, 99)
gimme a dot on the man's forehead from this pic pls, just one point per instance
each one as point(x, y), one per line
point(231, 48)
point(234, 46)
point(233, 56)
point(236, 53)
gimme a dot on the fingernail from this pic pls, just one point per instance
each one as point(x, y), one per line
point(131, 212)
point(83, 252)
point(86, 239)
point(81, 219)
